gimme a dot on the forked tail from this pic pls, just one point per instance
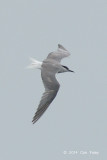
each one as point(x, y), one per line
point(35, 64)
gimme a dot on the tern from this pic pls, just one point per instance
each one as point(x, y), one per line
point(49, 68)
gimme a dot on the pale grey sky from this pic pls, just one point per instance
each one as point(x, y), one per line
point(76, 120)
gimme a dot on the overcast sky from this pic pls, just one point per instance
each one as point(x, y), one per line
point(76, 120)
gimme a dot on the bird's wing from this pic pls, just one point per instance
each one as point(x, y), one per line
point(51, 89)
point(46, 100)
point(59, 54)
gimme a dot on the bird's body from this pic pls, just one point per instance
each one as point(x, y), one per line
point(49, 67)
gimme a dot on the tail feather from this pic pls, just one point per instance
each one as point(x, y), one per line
point(34, 64)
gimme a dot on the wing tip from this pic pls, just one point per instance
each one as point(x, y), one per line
point(35, 118)
point(61, 47)
point(34, 121)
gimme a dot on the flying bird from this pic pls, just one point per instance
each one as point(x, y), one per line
point(49, 67)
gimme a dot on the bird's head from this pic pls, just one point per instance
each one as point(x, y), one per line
point(67, 69)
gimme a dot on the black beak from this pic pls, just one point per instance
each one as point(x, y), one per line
point(70, 70)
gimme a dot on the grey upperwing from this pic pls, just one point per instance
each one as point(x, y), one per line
point(51, 88)
point(59, 54)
